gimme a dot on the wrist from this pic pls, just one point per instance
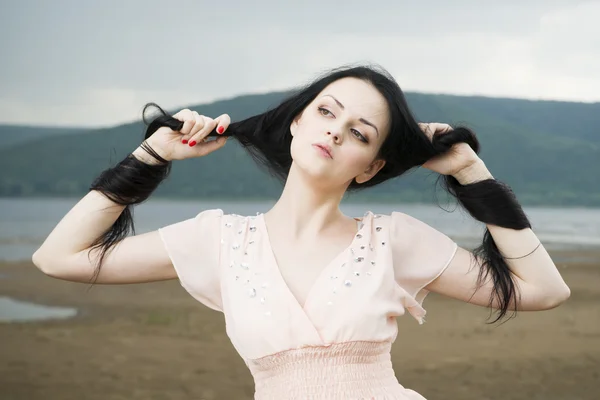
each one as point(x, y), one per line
point(143, 156)
point(148, 154)
point(474, 173)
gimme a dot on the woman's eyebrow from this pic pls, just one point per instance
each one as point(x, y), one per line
point(364, 121)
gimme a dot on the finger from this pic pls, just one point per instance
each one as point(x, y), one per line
point(199, 121)
point(210, 146)
point(219, 124)
point(208, 126)
point(447, 128)
point(187, 117)
point(223, 122)
point(426, 129)
point(438, 127)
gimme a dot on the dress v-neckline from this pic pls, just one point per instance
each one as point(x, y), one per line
point(303, 307)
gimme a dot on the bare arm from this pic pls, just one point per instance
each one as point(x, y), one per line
point(65, 252)
point(536, 276)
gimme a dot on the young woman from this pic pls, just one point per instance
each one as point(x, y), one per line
point(310, 295)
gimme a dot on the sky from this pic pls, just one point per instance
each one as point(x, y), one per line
point(96, 63)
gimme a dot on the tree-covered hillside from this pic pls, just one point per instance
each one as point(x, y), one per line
point(548, 152)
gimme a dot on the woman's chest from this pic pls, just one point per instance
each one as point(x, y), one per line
point(276, 297)
point(300, 267)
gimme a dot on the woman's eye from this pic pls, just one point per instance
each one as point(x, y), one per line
point(324, 111)
point(359, 136)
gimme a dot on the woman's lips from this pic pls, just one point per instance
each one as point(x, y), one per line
point(322, 151)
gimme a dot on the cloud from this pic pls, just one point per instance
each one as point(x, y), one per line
point(98, 63)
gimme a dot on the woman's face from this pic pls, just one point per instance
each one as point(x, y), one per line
point(351, 118)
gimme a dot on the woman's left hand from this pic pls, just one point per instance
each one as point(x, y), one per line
point(459, 157)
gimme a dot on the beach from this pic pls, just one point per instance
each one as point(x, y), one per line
point(154, 341)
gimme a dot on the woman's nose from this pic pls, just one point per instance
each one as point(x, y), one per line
point(336, 136)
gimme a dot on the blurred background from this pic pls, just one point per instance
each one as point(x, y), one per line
point(75, 76)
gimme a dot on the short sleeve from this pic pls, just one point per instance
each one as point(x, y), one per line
point(194, 247)
point(420, 254)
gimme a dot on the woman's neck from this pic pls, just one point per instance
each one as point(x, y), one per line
point(306, 208)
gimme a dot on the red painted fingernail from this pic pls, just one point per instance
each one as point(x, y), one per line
point(192, 143)
point(220, 129)
point(184, 141)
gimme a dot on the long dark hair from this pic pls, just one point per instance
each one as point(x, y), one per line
point(267, 139)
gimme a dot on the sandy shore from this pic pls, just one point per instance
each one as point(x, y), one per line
point(153, 341)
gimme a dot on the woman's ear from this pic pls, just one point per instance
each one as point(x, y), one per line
point(294, 124)
point(370, 172)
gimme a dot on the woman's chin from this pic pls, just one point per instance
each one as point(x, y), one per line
point(319, 173)
point(322, 178)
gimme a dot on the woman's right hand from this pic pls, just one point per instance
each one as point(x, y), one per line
point(189, 141)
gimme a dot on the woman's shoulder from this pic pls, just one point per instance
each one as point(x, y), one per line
point(239, 223)
point(397, 217)
point(389, 216)
point(403, 228)
point(218, 212)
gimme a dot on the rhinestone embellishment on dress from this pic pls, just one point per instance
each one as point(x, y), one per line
point(348, 283)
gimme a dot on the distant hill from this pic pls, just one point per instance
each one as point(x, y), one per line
point(573, 120)
point(548, 152)
point(17, 134)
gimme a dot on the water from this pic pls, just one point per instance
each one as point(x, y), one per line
point(25, 223)
point(18, 311)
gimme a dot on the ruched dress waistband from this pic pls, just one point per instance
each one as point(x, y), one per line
point(350, 370)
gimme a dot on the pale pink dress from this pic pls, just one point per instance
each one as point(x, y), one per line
point(336, 346)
